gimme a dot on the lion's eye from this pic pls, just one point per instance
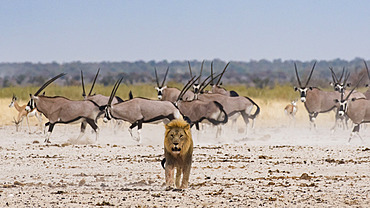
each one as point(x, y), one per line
point(181, 136)
point(172, 135)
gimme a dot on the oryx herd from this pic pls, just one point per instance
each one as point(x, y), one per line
point(192, 103)
point(216, 106)
point(351, 104)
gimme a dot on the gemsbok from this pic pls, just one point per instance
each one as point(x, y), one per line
point(341, 87)
point(23, 113)
point(234, 106)
point(357, 109)
point(64, 111)
point(197, 111)
point(139, 110)
point(217, 89)
point(315, 100)
point(338, 84)
point(171, 94)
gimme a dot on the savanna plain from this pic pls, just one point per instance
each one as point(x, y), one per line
point(278, 163)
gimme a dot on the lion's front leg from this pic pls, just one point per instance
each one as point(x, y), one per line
point(169, 174)
point(178, 176)
point(185, 177)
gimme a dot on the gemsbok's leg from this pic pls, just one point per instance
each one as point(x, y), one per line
point(82, 130)
point(355, 131)
point(51, 127)
point(139, 127)
point(94, 126)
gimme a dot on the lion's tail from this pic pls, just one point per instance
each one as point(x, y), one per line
point(163, 162)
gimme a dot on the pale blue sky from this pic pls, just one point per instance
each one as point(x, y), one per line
point(72, 30)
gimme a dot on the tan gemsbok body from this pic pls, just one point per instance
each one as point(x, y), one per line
point(169, 93)
point(139, 110)
point(62, 110)
point(357, 109)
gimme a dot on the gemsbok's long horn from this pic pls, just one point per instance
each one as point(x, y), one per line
point(212, 72)
point(341, 76)
point(210, 81)
point(191, 74)
point(346, 77)
point(115, 88)
point(309, 77)
point(165, 76)
point(205, 80)
point(333, 75)
point(186, 87)
point(93, 84)
point(200, 74)
point(222, 73)
point(83, 84)
point(296, 73)
point(48, 82)
point(156, 77)
point(367, 69)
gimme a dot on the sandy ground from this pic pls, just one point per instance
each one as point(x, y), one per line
point(274, 165)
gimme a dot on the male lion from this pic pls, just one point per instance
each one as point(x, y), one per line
point(178, 152)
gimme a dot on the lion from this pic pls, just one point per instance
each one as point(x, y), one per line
point(178, 152)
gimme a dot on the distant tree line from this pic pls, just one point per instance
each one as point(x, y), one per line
point(262, 73)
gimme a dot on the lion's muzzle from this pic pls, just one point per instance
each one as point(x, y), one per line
point(176, 149)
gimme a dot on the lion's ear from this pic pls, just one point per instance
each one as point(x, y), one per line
point(167, 127)
point(187, 127)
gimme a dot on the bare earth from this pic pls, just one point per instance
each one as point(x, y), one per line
point(275, 165)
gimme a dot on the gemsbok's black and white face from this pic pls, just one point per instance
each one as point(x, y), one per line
point(303, 92)
point(160, 92)
point(196, 88)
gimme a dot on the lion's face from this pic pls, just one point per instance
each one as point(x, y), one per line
point(178, 138)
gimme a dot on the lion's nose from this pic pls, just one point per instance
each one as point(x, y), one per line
point(175, 144)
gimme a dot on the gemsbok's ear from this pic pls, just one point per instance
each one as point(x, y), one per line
point(367, 85)
point(310, 88)
point(295, 88)
point(353, 99)
point(331, 83)
point(349, 84)
point(156, 88)
point(336, 100)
